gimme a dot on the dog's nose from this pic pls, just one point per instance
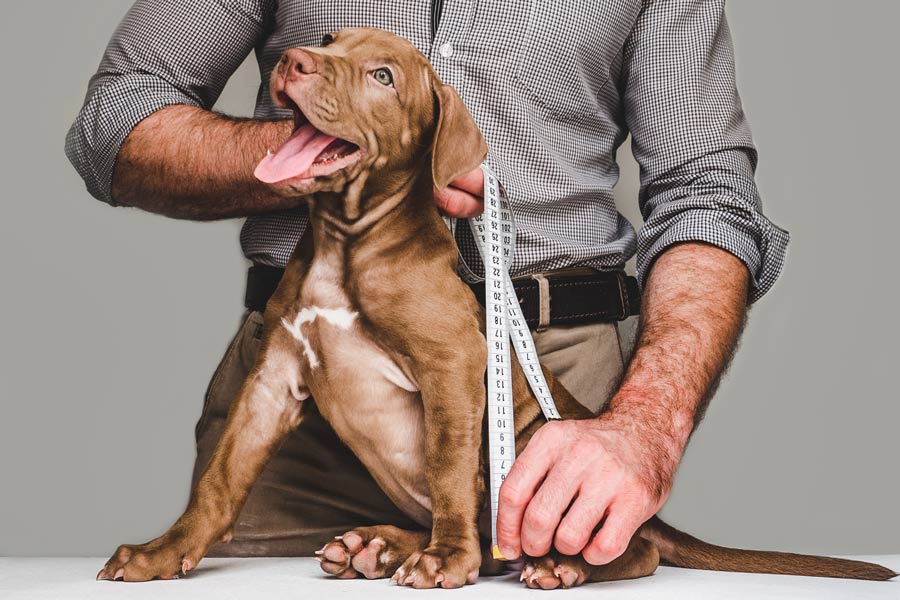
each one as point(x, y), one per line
point(297, 62)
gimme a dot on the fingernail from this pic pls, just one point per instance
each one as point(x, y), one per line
point(508, 553)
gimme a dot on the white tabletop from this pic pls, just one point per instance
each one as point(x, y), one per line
point(298, 578)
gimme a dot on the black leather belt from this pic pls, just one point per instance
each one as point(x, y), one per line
point(570, 296)
point(574, 297)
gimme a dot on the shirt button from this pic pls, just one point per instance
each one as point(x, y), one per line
point(446, 50)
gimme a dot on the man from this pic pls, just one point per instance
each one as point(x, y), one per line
point(555, 89)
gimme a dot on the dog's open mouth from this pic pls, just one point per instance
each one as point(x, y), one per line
point(307, 154)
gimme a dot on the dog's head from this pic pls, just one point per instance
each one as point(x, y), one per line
point(367, 102)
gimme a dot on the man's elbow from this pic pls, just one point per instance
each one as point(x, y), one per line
point(88, 162)
point(98, 139)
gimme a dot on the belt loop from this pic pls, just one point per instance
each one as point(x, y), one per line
point(632, 295)
point(543, 301)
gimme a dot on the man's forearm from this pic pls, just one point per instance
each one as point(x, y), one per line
point(694, 308)
point(188, 163)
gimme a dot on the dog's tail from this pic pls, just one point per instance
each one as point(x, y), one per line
point(679, 549)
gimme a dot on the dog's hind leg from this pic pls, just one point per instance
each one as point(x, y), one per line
point(371, 552)
point(267, 409)
point(559, 570)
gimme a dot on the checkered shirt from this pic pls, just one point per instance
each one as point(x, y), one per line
point(554, 86)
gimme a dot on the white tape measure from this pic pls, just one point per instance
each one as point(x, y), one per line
point(495, 234)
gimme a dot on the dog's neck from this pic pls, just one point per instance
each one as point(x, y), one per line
point(354, 216)
point(393, 221)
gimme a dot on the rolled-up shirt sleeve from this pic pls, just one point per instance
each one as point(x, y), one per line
point(164, 52)
point(691, 140)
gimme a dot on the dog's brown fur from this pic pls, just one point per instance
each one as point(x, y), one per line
point(414, 350)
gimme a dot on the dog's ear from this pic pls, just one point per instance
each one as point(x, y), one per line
point(458, 144)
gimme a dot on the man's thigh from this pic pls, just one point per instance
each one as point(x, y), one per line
point(315, 488)
point(587, 359)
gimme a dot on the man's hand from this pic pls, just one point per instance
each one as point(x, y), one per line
point(464, 197)
point(575, 474)
point(616, 471)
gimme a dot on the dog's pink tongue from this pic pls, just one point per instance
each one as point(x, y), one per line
point(294, 157)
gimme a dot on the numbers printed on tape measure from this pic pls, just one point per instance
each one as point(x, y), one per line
point(494, 233)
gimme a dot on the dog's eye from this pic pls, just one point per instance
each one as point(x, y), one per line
point(384, 76)
point(327, 39)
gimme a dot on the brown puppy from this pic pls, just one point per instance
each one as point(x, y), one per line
point(372, 321)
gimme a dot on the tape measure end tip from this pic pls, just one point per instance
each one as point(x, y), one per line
point(495, 550)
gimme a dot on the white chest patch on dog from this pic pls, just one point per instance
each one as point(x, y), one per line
point(339, 317)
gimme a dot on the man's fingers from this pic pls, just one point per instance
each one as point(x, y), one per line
point(457, 203)
point(516, 492)
point(463, 198)
point(574, 531)
point(545, 510)
point(472, 182)
point(612, 539)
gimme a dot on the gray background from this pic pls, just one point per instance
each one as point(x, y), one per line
point(113, 320)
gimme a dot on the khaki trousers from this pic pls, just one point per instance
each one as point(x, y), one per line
point(315, 488)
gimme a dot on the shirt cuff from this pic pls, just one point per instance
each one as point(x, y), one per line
point(749, 235)
point(113, 110)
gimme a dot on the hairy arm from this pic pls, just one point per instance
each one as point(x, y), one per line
point(705, 249)
point(619, 467)
point(694, 308)
point(189, 163)
point(146, 135)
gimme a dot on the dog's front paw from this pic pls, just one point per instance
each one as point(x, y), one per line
point(439, 566)
point(167, 557)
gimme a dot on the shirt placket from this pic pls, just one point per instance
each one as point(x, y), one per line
point(448, 56)
point(450, 23)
